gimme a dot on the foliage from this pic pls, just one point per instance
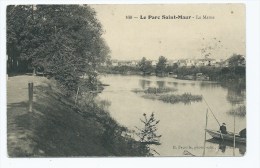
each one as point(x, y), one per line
point(148, 134)
point(161, 65)
point(63, 39)
point(113, 137)
point(235, 71)
point(214, 73)
point(172, 68)
point(145, 66)
point(236, 60)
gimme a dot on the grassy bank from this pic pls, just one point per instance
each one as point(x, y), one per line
point(57, 127)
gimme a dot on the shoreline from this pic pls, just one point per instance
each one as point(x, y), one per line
point(57, 127)
point(181, 79)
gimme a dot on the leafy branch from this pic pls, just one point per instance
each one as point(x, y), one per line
point(148, 134)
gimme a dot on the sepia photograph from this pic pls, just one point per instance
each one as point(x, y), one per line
point(126, 80)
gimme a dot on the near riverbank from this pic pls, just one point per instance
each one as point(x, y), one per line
point(57, 127)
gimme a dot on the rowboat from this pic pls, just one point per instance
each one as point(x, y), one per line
point(229, 136)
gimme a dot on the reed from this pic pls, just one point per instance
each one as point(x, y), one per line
point(239, 111)
point(171, 98)
point(154, 90)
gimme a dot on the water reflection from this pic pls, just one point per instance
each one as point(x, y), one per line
point(236, 92)
point(192, 84)
point(239, 111)
point(160, 84)
point(173, 83)
point(223, 145)
point(235, 96)
point(127, 106)
point(206, 85)
point(144, 83)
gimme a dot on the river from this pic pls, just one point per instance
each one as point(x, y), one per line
point(181, 125)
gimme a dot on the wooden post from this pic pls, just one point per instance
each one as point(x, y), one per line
point(234, 142)
point(205, 133)
point(30, 92)
point(34, 72)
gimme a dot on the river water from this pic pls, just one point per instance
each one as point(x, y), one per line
point(181, 125)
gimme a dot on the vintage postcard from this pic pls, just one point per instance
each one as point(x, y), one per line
point(126, 80)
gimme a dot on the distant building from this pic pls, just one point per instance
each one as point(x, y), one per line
point(132, 63)
point(181, 63)
point(154, 63)
point(114, 63)
point(190, 62)
point(171, 62)
point(186, 63)
point(205, 62)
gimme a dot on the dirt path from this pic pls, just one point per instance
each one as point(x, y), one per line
point(53, 128)
point(20, 141)
point(17, 87)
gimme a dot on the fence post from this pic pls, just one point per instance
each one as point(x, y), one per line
point(30, 91)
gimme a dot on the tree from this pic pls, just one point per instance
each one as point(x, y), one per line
point(236, 60)
point(145, 66)
point(161, 65)
point(63, 39)
point(148, 135)
point(19, 21)
point(237, 66)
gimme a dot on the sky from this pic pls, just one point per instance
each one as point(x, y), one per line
point(132, 39)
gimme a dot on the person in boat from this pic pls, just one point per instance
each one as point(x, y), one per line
point(223, 128)
point(242, 133)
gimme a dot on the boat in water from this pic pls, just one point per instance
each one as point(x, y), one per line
point(229, 136)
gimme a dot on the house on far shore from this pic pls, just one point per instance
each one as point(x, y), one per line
point(114, 62)
point(181, 63)
point(205, 62)
point(131, 63)
point(154, 63)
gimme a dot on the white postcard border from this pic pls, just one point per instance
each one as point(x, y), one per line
point(251, 159)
